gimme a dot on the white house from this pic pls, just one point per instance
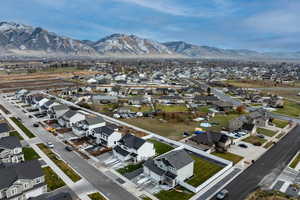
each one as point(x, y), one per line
point(86, 127)
point(41, 103)
point(107, 135)
point(170, 168)
point(134, 149)
point(57, 111)
point(10, 150)
point(70, 118)
point(22, 181)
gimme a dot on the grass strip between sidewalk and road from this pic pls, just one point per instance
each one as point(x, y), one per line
point(16, 133)
point(52, 180)
point(60, 163)
point(22, 127)
point(96, 196)
point(295, 161)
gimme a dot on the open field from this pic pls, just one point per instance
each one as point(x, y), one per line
point(60, 163)
point(203, 170)
point(52, 179)
point(290, 109)
point(260, 84)
point(172, 130)
point(221, 121)
point(229, 156)
point(288, 93)
point(268, 195)
point(172, 108)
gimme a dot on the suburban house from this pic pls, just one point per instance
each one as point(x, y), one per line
point(21, 94)
point(33, 99)
point(46, 106)
point(258, 118)
point(206, 100)
point(4, 130)
point(22, 181)
point(170, 168)
point(134, 149)
point(70, 118)
point(59, 196)
point(170, 100)
point(107, 136)
point(86, 127)
point(102, 99)
point(41, 103)
point(10, 150)
point(57, 111)
point(211, 141)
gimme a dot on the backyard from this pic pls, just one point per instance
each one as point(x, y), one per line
point(60, 163)
point(203, 170)
point(52, 180)
point(160, 147)
point(221, 121)
point(229, 156)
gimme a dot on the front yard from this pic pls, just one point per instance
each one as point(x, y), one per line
point(96, 196)
point(30, 154)
point(60, 163)
point(266, 132)
point(280, 123)
point(295, 162)
point(229, 156)
point(52, 180)
point(22, 127)
point(130, 168)
point(255, 140)
point(203, 170)
point(178, 193)
point(160, 147)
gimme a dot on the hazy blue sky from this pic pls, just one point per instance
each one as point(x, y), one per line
point(254, 24)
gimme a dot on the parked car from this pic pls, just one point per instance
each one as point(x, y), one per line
point(69, 148)
point(50, 145)
point(222, 194)
point(30, 116)
point(36, 125)
point(260, 136)
point(243, 146)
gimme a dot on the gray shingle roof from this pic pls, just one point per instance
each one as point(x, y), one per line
point(10, 142)
point(60, 107)
point(105, 130)
point(132, 141)
point(27, 170)
point(176, 158)
point(4, 127)
point(95, 120)
point(69, 114)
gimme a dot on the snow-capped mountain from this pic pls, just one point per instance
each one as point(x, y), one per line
point(20, 37)
point(209, 52)
point(129, 44)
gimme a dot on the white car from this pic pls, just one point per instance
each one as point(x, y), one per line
point(50, 145)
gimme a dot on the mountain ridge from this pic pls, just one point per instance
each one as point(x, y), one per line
point(19, 39)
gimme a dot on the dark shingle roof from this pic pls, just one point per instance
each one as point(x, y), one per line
point(208, 138)
point(132, 141)
point(151, 165)
point(94, 120)
point(27, 170)
point(105, 130)
point(10, 142)
point(69, 114)
point(176, 158)
point(4, 127)
point(60, 107)
point(60, 196)
point(121, 151)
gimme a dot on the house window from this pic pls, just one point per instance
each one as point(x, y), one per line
point(14, 191)
point(38, 180)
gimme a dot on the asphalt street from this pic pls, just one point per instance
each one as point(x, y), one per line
point(96, 178)
point(266, 168)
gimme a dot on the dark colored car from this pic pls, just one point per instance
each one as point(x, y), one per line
point(36, 125)
point(69, 148)
point(243, 146)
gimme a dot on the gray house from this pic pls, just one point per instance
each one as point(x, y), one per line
point(57, 111)
point(102, 99)
point(10, 150)
point(22, 181)
point(170, 168)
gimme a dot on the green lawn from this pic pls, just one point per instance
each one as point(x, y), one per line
point(229, 156)
point(204, 109)
point(174, 194)
point(280, 123)
point(160, 147)
point(203, 170)
point(255, 140)
point(290, 109)
point(143, 108)
point(96, 196)
point(30, 154)
point(145, 198)
point(15, 133)
point(268, 144)
point(52, 180)
point(266, 132)
point(172, 108)
point(60, 163)
point(169, 129)
point(295, 161)
point(22, 127)
point(130, 168)
point(279, 136)
point(220, 121)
